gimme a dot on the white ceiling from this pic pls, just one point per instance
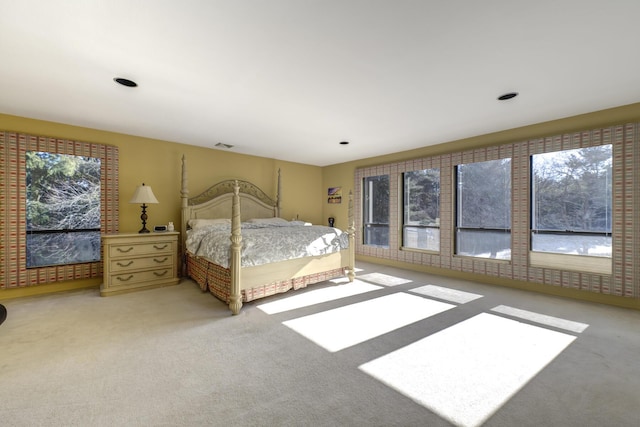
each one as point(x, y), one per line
point(290, 79)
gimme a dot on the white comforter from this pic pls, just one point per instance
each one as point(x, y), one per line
point(263, 244)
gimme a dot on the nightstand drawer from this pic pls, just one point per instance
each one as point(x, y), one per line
point(126, 279)
point(141, 263)
point(133, 249)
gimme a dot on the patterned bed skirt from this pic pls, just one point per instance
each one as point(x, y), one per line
point(217, 280)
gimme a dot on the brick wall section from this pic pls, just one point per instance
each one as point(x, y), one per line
point(13, 148)
point(625, 277)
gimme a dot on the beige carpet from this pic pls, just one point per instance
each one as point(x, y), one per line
point(176, 357)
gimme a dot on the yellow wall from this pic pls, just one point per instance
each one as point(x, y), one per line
point(304, 187)
point(158, 164)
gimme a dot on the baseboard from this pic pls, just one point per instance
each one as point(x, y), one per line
point(613, 300)
point(50, 288)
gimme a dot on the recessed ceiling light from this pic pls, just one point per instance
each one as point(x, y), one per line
point(344, 142)
point(507, 96)
point(125, 82)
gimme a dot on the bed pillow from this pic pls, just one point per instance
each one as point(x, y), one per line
point(297, 222)
point(268, 221)
point(197, 223)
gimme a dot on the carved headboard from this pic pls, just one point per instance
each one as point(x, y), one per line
point(216, 202)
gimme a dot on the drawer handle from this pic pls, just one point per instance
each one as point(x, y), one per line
point(124, 265)
point(124, 251)
point(160, 274)
point(125, 280)
point(160, 261)
point(161, 247)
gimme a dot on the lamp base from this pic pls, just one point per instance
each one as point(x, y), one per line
point(143, 217)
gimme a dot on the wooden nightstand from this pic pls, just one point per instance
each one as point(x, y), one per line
point(135, 261)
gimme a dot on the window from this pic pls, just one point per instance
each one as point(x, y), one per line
point(62, 209)
point(421, 225)
point(376, 210)
point(571, 201)
point(483, 215)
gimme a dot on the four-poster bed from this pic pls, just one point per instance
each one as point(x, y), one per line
point(228, 216)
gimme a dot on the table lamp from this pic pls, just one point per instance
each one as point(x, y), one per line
point(143, 195)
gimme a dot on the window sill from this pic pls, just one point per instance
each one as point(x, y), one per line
point(581, 263)
point(479, 258)
point(422, 251)
point(375, 246)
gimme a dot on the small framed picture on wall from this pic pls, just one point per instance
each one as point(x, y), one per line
point(335, 195)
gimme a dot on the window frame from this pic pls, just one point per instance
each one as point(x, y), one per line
point(40, 231)
point(564, 261)
point(13, 146)
point(404, 226)
point(367, 201)
point(456, 213)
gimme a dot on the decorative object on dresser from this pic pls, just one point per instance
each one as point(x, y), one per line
point(247, 269)
point(143, 195)
point(134, 261)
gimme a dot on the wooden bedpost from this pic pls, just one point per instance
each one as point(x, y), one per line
point(184, 194)
point(277, 212)
point(351, 231)
point(235, 298)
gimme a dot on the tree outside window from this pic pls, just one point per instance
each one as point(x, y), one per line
point(421, 210)
point(62, 209)
point(483, 214)
point(376, 210)
point(571, 198)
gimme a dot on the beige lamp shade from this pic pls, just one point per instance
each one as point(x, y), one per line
point(143, 195)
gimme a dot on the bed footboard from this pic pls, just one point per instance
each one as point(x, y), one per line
point(217, 280)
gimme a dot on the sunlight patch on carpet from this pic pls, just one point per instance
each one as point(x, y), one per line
point(317, 296)
point(543, 319)
point(346, 326)
point(466, 372)
point(446, 294)
point(384, 279)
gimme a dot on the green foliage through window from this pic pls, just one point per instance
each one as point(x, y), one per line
point(571, 200)
point(376, 210)
point(483, 215)
point(421, 209)
point(62, 209)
